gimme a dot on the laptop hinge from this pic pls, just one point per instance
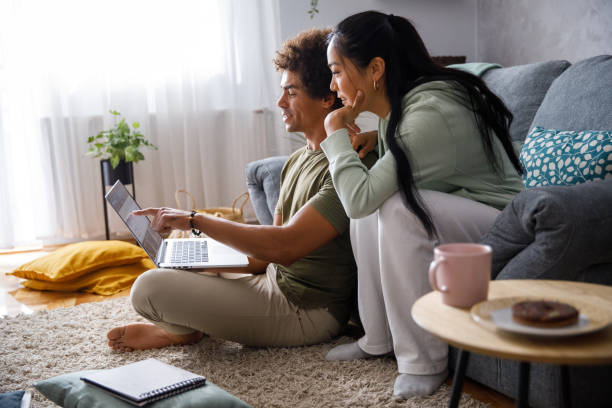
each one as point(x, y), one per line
point(161, 255)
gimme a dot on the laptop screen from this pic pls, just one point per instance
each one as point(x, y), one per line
point(140, 226)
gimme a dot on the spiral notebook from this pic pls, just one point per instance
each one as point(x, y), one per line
point(145, 381)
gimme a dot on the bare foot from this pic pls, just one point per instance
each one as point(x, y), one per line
point(142, 336)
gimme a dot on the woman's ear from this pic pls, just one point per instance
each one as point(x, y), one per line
point(376, 68)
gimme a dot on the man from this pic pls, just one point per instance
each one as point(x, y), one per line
point(304, 275)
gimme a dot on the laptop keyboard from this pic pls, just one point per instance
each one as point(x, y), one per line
point(186, 252)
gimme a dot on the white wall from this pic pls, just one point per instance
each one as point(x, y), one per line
point(447, 26)
point(514, 32)
point(510, 32)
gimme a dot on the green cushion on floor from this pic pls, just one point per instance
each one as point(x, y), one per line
point(68, 390)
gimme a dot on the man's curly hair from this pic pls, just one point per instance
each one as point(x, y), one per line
point(306, 54)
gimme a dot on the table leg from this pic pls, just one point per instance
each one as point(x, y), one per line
point(565, 387)
point(458, 378)
point(523, 388)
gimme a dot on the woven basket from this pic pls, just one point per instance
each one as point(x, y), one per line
point(233, 213)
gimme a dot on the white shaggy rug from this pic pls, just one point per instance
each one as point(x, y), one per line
point(49, 343)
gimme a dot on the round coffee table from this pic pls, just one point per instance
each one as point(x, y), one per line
point(456, 327)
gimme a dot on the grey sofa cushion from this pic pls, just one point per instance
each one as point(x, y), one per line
point(580, 99)
point(553, 232)
point(263, 183)
point(522, 88)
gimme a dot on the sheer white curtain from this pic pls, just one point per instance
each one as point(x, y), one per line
point(196, 74)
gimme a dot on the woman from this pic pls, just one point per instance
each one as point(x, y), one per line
point(446, 167)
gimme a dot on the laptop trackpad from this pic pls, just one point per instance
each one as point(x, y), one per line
point(222, 255)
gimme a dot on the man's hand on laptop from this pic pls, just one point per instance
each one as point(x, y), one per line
point(166, 219)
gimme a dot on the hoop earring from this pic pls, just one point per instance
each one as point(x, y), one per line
point(376, 85)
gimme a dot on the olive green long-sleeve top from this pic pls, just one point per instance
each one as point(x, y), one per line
point(445, 153)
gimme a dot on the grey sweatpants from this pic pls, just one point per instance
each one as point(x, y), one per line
point(393, 252)
point(250, 310)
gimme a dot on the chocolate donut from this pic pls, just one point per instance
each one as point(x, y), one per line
point(544, 313)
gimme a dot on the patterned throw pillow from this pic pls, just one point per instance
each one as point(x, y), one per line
point(555, 157)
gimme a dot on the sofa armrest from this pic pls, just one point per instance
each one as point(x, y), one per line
point(553, 232)
point(263, 182)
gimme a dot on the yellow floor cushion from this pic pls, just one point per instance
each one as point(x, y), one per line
point(71, 261)
point(106, 281)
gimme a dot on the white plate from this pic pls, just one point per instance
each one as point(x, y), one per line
point(502, 318)
point(496, 314)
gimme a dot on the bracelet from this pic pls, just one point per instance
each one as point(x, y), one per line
point(193, 230)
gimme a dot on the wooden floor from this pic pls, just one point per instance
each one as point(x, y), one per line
point(15, 299)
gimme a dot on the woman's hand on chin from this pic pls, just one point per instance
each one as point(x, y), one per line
point(345, 116)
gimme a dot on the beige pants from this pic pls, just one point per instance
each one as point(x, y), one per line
point(250, 310)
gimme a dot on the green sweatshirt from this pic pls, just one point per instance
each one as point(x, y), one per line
point(445, 153)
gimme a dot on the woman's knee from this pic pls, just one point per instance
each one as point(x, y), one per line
point(455, 218)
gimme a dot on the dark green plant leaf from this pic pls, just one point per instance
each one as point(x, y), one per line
point(119, 142)
point(313, 8)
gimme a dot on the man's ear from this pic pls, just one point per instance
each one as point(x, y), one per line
point(376, 68)
point(329, 100)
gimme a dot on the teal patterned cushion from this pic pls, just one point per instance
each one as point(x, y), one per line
point(555, 157)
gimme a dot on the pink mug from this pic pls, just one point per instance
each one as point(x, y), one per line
point(461, 272)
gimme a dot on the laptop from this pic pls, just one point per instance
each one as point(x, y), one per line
point(178, 253)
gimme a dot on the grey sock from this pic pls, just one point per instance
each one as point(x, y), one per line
point(350, 351)
point(410, 385)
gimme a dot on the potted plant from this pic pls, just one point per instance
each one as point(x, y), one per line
point(119, 147)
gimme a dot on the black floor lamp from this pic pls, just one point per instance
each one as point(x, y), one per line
point(124, 172)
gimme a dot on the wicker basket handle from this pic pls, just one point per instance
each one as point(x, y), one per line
point(245, 196)
point(178, 202)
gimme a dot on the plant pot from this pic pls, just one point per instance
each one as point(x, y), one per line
point(124, 172)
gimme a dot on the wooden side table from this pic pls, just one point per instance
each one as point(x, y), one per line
point(456, 327)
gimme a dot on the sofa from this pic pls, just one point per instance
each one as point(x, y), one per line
point(551, 230)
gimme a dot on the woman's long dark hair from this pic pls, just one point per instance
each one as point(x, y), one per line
point(364, 36)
